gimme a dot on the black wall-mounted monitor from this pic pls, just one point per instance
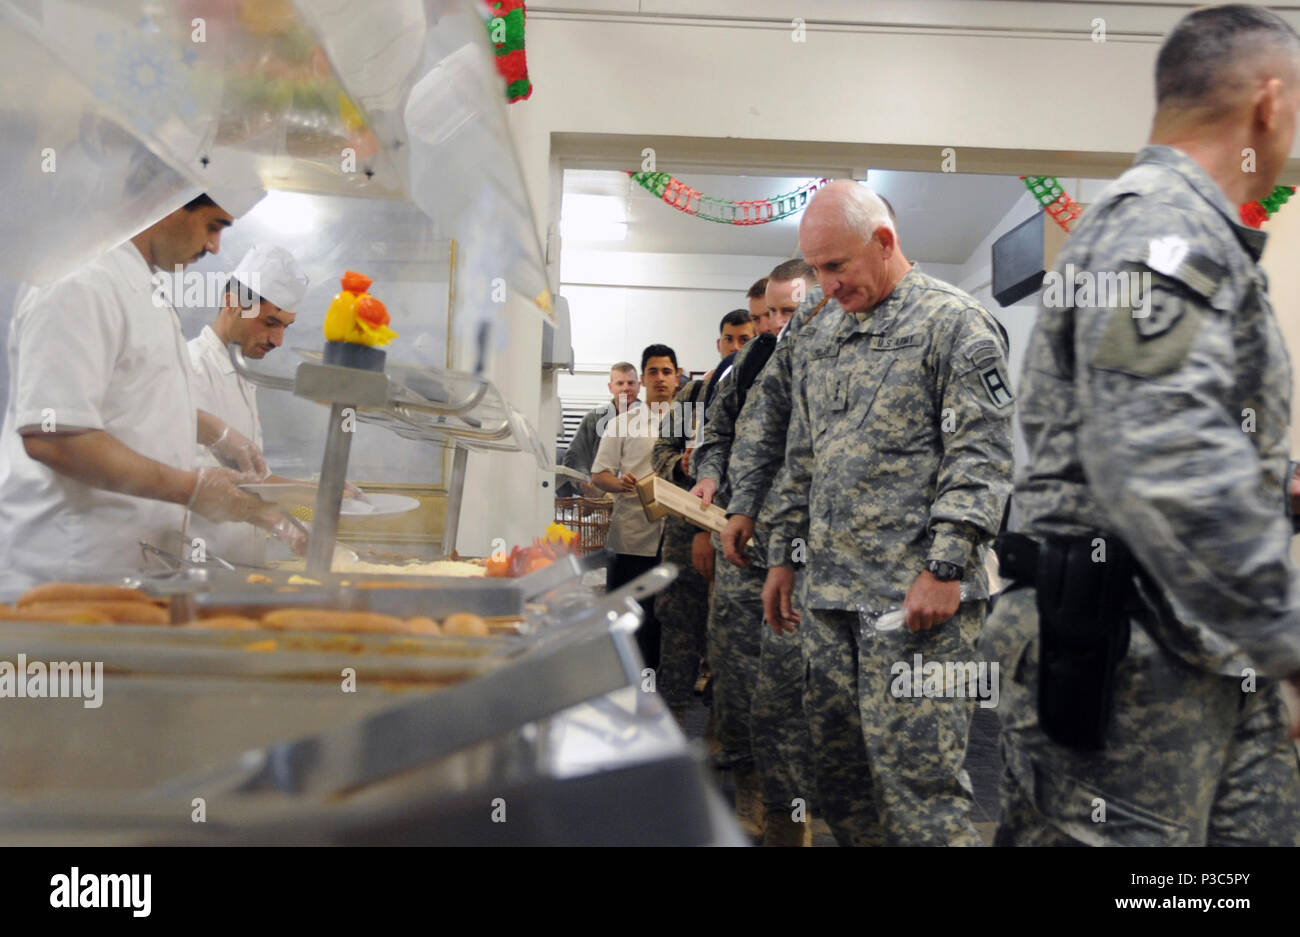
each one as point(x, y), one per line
point(1018, 261)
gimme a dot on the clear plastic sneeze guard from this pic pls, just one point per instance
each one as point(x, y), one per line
point(379, 130)
point(117, 111)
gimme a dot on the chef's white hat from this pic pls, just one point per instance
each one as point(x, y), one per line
point(272, 273)
point(236, 200)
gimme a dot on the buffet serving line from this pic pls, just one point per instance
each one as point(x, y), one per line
point(178, 698)
point(309, 714)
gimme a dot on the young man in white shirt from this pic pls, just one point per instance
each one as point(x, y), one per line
point(260, 301)
point(625, 455)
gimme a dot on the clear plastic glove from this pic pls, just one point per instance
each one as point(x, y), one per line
point(218, 498)
point(352, 491)
point(235, 450)
point(291, 534)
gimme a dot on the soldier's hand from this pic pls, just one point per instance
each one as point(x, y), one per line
point(734, 537)
point(1294, 490)
point(930, 602)
point(685, 462)
point(702, 555)
point(705, 489)
point(777, 608)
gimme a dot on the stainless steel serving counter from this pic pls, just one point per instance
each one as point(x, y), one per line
point(256, 737)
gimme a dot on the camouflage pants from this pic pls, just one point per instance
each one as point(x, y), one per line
point(735, 636)
point(683, 613)
point(888, 768)
point(782, 745)
point(1190, 760)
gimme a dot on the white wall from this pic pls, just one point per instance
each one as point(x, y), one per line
point(950, 273)
point(620, 302)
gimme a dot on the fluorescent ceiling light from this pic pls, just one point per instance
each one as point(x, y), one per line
point(593, 218)
point(593, 230)
point(284, 214)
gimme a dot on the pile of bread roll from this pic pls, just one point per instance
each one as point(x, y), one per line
point(87, 604)
point(325, 619)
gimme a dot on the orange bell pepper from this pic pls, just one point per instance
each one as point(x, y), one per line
point(356, 282)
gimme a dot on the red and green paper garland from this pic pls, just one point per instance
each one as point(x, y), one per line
point(723, 211)
point(1046, 189)
point(1065, 210)
point(1054, 199)
point(1255, 214)
point(510, 60)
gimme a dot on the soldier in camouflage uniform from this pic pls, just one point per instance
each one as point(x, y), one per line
point(682, 608)
point(781, 742)
point(736, 616)
point(1162, 418)
point(683, 640)
point(898, 465)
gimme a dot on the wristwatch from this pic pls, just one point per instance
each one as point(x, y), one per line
point(944, 572)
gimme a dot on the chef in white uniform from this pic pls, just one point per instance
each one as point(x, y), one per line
point(260, 301)
point(98, 441)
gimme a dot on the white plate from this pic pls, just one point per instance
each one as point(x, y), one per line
point(379, 504)
point(297, 494)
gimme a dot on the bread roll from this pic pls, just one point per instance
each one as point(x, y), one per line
point(465, 625)
point(67, 613)
point(120, 612)
point(325, 619)
point(80, 592)
point(422, 625)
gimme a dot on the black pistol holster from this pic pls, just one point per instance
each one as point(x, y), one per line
point(1084, 587)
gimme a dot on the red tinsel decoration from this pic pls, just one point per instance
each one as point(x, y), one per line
point(1253, 214)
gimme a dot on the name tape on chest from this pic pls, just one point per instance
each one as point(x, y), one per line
point(894, 342)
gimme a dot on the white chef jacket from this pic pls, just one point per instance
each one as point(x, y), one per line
point(221, 391)
point(628, 445)
point(94, 351)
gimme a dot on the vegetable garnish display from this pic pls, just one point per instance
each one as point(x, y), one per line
point(559, 541)
point(355, 316)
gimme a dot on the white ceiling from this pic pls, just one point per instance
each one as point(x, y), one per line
point(942, 217)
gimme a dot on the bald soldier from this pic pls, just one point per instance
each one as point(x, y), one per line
point(1158, 609)
point(898, 466)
